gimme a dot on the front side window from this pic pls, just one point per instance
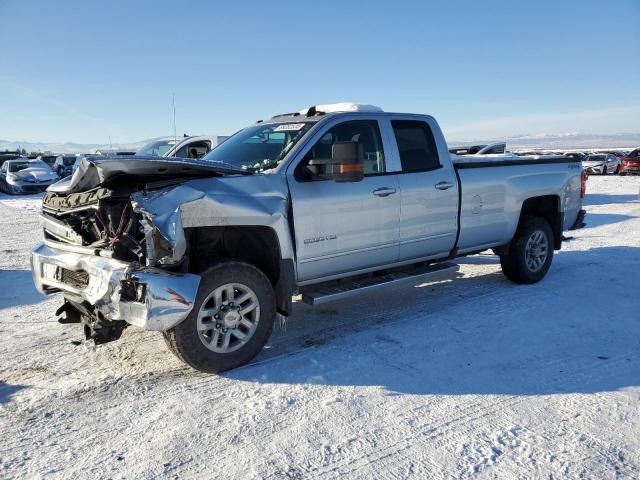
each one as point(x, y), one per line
point(416, 145)
point(16, 167)
point(261, 147)
point(157, 148)
point(194, 150)
point(365, 132)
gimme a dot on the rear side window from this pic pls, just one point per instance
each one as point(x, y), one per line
point(416, 145)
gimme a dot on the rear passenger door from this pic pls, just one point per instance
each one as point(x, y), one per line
point(428, 191)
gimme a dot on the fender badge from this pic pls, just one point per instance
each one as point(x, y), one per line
point(307, 241)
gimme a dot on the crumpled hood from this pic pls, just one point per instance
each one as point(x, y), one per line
point(93, 171)
point(34, 175)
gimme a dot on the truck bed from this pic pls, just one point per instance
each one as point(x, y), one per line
point(494, 187)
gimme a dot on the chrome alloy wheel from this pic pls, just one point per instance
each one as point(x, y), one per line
point(228, 317)
point(536, 251)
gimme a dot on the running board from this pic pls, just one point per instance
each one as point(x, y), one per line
point(317, 294)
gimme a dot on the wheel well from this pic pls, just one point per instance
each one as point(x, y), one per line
point(547, 207)
point(255, 245)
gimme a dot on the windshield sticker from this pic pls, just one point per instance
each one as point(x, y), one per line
point(287, 127)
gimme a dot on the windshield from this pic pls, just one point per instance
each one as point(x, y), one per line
point(261, 147)
point(157, 148)
point(596, 158)
point(38, 164)
point(16, 167)
point(68, 161)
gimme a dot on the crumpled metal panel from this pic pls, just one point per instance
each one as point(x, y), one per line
point(161, 210)
point(256, 200)
point(169, 297)
point(95, 170)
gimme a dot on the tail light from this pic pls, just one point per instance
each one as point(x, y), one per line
point(583, 184)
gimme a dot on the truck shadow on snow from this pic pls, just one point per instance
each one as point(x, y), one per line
point(7, 391)
point(476, 335)
point(594, 219)
point(607, 199)
point(17, 288)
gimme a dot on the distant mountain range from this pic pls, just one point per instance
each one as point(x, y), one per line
point(68, 147)
point(573, 140)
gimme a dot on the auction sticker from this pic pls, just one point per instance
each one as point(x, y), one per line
point(287, 127)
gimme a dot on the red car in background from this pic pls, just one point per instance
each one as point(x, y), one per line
point(630, 164)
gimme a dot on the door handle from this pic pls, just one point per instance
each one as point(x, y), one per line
point(384, 191)
point(443, 185)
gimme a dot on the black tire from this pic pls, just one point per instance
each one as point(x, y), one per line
point(184, 340)
point(514, 264)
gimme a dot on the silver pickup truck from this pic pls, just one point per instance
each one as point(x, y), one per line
point(323, 203)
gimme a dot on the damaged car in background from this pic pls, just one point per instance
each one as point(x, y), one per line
point(26, 176)
point(327, 202)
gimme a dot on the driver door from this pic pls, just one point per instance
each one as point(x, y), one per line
point(345, 227)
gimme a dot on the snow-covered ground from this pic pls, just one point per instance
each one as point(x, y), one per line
point(475, 377)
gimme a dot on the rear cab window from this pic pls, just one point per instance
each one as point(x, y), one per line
point(416, 145)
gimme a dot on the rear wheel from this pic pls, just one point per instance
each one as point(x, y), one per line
point(230, 322)
point(530, 253)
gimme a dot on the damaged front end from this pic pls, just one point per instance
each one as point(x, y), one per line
point(114, 250)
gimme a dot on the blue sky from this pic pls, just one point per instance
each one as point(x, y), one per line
point(82, 71)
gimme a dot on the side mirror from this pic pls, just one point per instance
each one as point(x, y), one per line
point(348, 162)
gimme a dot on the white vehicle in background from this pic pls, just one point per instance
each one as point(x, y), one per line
point(602, 163)
point(185, 147)
point(491, 149)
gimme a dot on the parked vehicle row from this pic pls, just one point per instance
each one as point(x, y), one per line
point(594, 162)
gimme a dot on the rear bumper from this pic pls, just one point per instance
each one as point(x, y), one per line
point(579, 223)
point(630, 169)
point(148, 298)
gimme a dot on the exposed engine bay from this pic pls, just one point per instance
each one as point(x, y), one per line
point(98, 208)
point(102, 219)
point(99, 212)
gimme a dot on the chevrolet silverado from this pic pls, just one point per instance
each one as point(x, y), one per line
point(328, 202)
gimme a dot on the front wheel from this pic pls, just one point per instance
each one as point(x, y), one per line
point(530, 253)
point(231, 320)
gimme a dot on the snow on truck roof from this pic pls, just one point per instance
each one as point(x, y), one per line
point(317, 110)
point(341, 107)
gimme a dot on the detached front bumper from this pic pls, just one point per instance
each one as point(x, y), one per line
point(149, 298)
